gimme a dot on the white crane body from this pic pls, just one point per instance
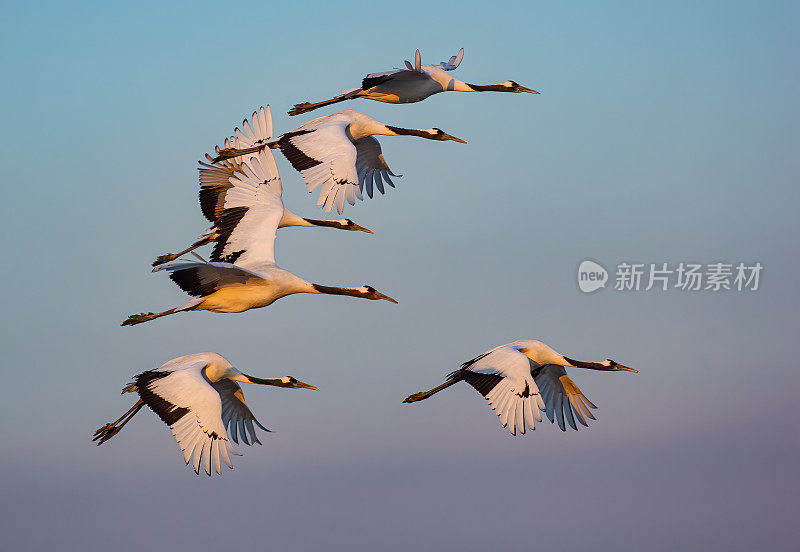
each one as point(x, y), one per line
point(243, 274)
point(199, 398)
point(215, 184)
point(524, 378)
point(338, 154)
point(413, 84)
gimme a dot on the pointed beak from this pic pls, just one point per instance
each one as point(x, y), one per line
point(626, 368)
point(446, 136)
point(303, 385)
point(361, 228)
point(528, 90)
point(380, 295)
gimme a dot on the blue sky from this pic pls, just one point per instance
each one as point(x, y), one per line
point(663, 134)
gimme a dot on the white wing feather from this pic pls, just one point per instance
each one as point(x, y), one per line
point(252, 211)
point(202, 425)
point(514, 398)
point(251, 134)
point(335, 173)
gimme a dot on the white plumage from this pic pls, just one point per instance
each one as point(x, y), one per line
point(413, 84)
point(514, 396)
point(215, 184)
point(337, 154)
point(523, 378)
point(198, 398)
point(243, 273)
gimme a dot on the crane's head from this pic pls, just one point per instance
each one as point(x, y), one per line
point(347, 224)
point(511, 86)
point(439, 134)
point(292, 383)
point(617, 367)
point(429, 133)
point(369, 292)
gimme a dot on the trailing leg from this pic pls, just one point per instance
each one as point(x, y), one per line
point(305, 107)
point(112, 428)
point(422, 395)
point(161, 259)
point(134, 319)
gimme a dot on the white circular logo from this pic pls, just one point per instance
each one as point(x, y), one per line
point(591, 276)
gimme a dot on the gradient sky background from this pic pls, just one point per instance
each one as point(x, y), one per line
point(662, 134)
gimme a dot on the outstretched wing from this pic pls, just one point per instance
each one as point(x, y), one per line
point(251, 134)
point(251, 213)
point(186, 402)
point(374, 79)
point(371, 166)
point(326, 158)
point(202, 279)
point(503, 377)
point(215, 178)
point(563, 399)
point(399, 76)
point(257, 132)
point(214, 183)
point(236, 416)
point(453, 62)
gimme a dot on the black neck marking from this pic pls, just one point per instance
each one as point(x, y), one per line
point(277, 382)
point(409, 131)
point(487, 87)
point(589, 365)
point(328, 223)
point(330, 290)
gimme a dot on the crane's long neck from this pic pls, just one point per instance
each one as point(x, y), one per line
point(340, 224)
point(590, 365)
point(332, 290)
point(483, 88)
point(400, 131)
point(277, 382)
point(290, 219)
point(460, 86)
